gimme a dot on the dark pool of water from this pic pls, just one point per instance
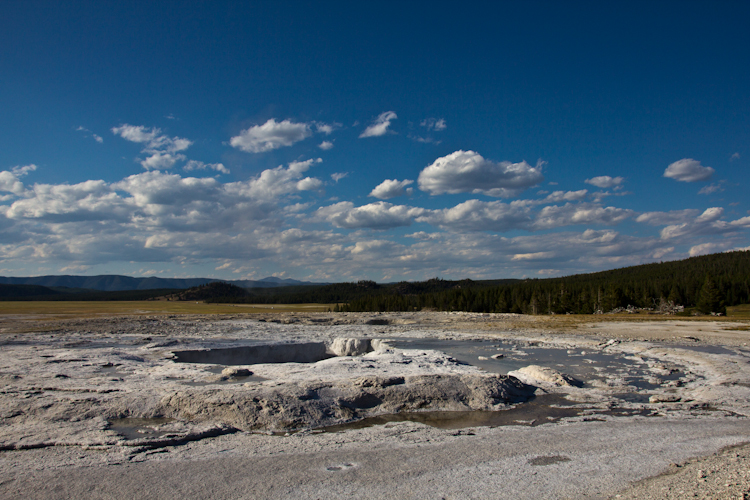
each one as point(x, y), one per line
point(300, 352)
point(587, 365)
point(705, 348)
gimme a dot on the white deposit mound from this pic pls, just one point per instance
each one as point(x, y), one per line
point(353, 347)
point(295, 385)
point(543, 375)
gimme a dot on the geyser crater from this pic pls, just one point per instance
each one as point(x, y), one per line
point(301, 352)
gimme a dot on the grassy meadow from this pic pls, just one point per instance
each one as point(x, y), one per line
point(61, 310)
point(72, 309)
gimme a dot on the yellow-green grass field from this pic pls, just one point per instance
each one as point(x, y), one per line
point(71, 309)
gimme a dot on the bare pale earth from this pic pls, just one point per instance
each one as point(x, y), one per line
point(64, 383)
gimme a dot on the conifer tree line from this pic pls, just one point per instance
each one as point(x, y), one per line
point(709, 282)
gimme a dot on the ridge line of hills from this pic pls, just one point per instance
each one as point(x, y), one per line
point(119, 283)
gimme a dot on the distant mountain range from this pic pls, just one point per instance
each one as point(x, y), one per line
point(117, 283)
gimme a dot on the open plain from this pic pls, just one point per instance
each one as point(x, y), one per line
point(410, 405)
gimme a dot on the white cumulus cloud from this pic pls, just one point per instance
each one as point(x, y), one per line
point(10, 180)
point(709, 222)
point(710, 214)
point(156, 217)
point(271, 135)
point(161, 161)
point(605, 181)
point(275, 182)
point(97, 138)
point(710, 189)
point(436, 124)
point(379, 215)
point(661, 252)
point(199, 165)
point(325, 145)
point(688, 170)
point(152, 137)
point(706, 248)
point(533, 256)
point(391, 188)
point(85, 201)
point(583, 213)
point(668, 218)
point(135, 133)
point(476, 215)
point(163, 150)
point(380, 125)
point(468, 172)
point(558, 196)
point(743, 222)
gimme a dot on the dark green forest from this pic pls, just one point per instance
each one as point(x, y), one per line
point(708, 282)
point(42, 293)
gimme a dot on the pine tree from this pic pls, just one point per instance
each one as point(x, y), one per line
point(674, 295)
point(710, 299)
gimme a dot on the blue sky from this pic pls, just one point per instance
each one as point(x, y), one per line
point(335, 141)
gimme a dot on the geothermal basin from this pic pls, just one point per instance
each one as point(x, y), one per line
point(416, 405)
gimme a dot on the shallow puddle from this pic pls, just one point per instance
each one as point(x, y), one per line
point(225, 381)
point(633, 397)
point(548, 460)
point(540, 410)
point(537, 411)
point(139, 428)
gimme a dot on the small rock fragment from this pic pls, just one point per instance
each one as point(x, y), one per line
point(663, 398)
point(235, 372)
point(536, 373)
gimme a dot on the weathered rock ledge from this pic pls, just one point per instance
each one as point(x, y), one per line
point(296, 406)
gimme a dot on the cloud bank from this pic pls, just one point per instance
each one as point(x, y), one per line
point(278, 220)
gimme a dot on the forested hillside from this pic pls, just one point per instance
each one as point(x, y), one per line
point(217, 291)
point(642, 286)
point(346, 292)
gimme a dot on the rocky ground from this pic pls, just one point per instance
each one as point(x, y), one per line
point(103, 408)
